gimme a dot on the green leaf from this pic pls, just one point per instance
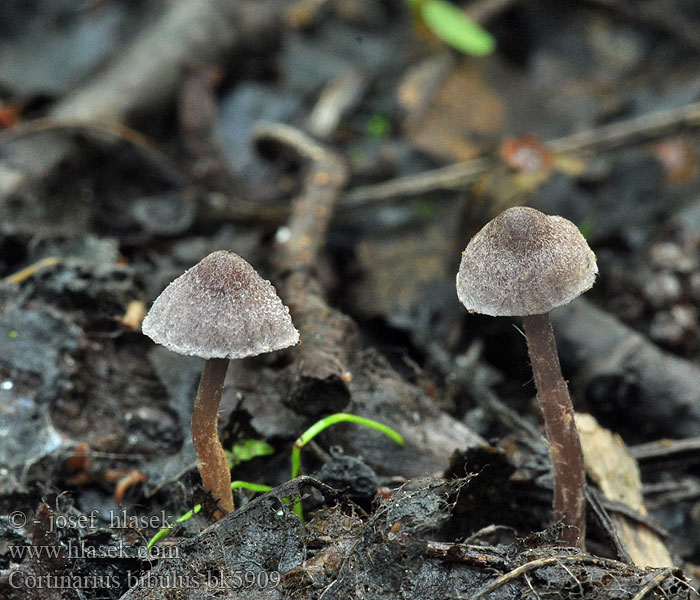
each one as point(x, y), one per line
point(456, 29)
point(246, 450)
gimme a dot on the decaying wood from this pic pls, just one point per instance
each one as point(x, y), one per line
point(328, 337)
point(658, 393)
point(147, 74)
point(610, 465)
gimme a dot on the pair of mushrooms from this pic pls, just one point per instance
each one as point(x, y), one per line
point(522, 263)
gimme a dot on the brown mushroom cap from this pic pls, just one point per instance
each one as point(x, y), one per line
point(220, 308)
point(524, 262)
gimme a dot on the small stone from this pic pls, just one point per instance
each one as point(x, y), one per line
point(662, 289)
point(669, 255)
point(686, 316)
point(665, 329)
point(694, 287)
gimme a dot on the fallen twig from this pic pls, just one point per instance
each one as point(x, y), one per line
point(459, 175)
point(658, 393)
point(112, 131)
point(147, 73)
point(338, 97)
point(328, 337)
point(658, 17)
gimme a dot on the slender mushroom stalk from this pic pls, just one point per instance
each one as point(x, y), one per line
point(220, 309)
point(525, 263)
point(211, 458)
point(560, 428)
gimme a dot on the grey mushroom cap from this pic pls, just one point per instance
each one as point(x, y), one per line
point(524, 262)
point(220, 308)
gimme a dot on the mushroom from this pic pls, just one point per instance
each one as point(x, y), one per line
point(525, 263)
point(219, 309)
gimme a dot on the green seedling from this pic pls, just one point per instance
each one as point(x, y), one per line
point(378, 127)
point(454, 27)
point(246, 450)
point(334, 419)
point(318, 427)
point(252, 448)
point(246, 485)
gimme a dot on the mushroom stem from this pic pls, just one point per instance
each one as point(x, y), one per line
point(211, 459)
point(564, 444)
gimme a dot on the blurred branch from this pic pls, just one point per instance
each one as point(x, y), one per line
point(143, 78)
point(460, 175)
point(146, 75)
point(658, 16)
point(328, 337)
point(618, 368)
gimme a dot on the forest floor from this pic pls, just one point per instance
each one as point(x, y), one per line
point(139, 136)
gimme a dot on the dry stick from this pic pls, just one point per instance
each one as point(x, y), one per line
point(112, 131)
point(545, 562)
point(211, 458)
point(482, 558)
point(564, 444)
point(659, 17)
point(337, 98)
point(329, 338)
point(460, 175)
point(145, 75)
point(655, 582)
point(667, 452)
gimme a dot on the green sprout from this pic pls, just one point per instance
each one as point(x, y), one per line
point(246, 450)
point(165, 531)
point(326, 422)
point(13, 335)
point(317, 428)
point(377, 127)
point(454, 27)
point(249, 449)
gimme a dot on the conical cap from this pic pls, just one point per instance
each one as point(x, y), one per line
point(524, 262)
point(220, 308)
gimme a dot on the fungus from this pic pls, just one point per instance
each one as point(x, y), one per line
point(525, 263)
point(219, 309)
